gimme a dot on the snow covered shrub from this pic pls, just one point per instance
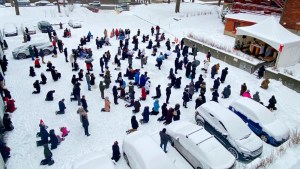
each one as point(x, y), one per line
point(281, 150)
point(70, 7)
point(295, 138)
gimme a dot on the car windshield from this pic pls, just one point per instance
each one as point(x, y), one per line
point(246, 136)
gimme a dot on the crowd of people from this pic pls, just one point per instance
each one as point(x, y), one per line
point(127, 83)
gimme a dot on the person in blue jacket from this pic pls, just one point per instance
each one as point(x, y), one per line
point(137, 78)
point(143, 80)
point(155, 109)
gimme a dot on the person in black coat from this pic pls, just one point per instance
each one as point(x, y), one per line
point(215, 96)
point(85, 125)
point(261, 71)
point(224, 74)
point(164, 111)
point(137, 106)
point(176, 64)
point(44, 79)
point(54, 74)
point(37, 87)
point(7, 123)
point(177, 83)
point(226, 92)
point(49, 96)
point(115, 93)
point(44, 134)
point(272, 103)
point(158, 93)
point(76, 93)
point(54, 52)
point(176, 116)
point(74, 80)
point(101, 64)
point(188, 69)
point(53, 139)
point(80, 75)
point(150, 44)
point(168, 94)
point(84, 103)
point(185, 98)
point(213, 71)
point(31, 71)
point(134, 125)
point(216, 84)
point(198, 83)
point(66, 54)
point(116, 152)
point(181, 44)
point(198, 102)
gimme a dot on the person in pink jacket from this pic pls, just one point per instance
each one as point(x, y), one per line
point(247, 94)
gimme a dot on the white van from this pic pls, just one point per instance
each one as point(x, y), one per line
point(141, 152)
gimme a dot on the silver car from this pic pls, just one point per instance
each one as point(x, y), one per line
point(22, 52)
point(74, 23)
point(10, 30)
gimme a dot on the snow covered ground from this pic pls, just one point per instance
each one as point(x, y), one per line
point(105, 128)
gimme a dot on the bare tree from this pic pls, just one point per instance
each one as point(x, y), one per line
point(58, 6)
point(17, 7)
point(64, 3)
point(177, 7)
point(219, 3)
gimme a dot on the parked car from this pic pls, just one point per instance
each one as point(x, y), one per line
point(44, 26)
point(74, 23)
point(23, 2)
point(61, 2)
point(95, 3)
point(10, 30)
point(198, 147)
point(94, 160)
point(30, 27)
point(230, 130)
point(22, 52)
point(42, 3)
point(261, 121)
point(141, 152)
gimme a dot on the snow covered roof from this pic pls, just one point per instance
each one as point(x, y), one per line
point(235, 127)
point(94, 160)
point(271, 32)
point(247, 17)
point(253, 110)
point(147, 153)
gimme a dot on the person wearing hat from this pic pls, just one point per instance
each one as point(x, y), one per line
point(61, 106)
point(116, 152)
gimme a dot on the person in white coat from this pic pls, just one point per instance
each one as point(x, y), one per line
point(206, 65)
point(147, 86)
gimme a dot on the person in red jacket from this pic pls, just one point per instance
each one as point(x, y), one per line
point(144, 94)
point(10, 105)
point(117, 33)
point(37, 63)
point(53, 42)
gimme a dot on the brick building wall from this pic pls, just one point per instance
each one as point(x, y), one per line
point(291, 16)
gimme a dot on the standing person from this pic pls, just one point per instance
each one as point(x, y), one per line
point(85, 125)
point(31, 52)
point(168, 94)
point(102, 88)
point(42, 54)
point(84, 103)
point(88, 80)
point(272, 103)
point(93, 79)
point(194, 51)
point(61, 106)
point(224, 74)
point(164, 138)
point(152, 30)
point(66, 54)
point(115, 94)
point(48, 156)
point(185, 98)
point(213, 71)
point(106, 106)
point(215, 96)
point(116, 155)
point(191, 90)
point(198, 102)
point(80, 75)
point(134, 125)
point(226, 92)
point(181, 44)
point(206, 65)
point(37, 87)
point(216, 84)
point(76, 93)
point(243, 89)
point(261, 71)
point(158, 93)
point(208, 55)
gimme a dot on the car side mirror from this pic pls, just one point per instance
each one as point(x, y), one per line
point(177, 138)
point(225, 135)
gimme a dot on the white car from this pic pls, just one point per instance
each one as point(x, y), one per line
point(261, 121)
point(74, 23)
point(230, 130)
point(42, 3)
point(10, 30)
point(30, 27)
point(95, 3)
point(22, 52)
point(141, 152)
point(198, 147)
point(94, 160)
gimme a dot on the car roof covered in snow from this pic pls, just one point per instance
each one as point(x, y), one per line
point(146, 151)
point(253, 110)
point(235, 126)
point(94, 160)
point(210, 150)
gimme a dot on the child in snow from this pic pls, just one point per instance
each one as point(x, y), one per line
point(64, 131)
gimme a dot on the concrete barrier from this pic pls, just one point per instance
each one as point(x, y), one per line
point(224, 56)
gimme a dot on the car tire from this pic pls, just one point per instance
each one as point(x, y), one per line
point(126, 159)
point(21, 56)
point(47, 52)
point(200, 123)
point(264, 138)
point(198, 168)
point(233, 152)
